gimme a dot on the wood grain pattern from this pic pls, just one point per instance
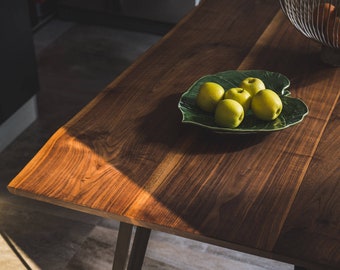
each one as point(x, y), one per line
point(314, 220)
point(127, 156)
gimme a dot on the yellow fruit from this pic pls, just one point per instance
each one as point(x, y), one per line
point(252, 85)
point(240, 95)
point(209, 95)
point(229, 113)
point(266, 105)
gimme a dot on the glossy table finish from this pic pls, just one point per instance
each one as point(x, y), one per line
point(127, 156)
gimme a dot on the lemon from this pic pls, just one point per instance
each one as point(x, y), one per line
point(229, 113)
point(209, 95)
point(266, 105)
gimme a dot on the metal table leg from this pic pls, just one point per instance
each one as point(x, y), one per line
point(138, 250)
point(140, 244)
point(122, 246)
point(296, 267)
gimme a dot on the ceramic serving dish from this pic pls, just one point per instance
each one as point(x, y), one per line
point(293, 112)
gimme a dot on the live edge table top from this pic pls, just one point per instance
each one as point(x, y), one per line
point(127, 156)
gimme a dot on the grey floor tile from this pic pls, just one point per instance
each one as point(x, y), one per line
point(48, 240)
point(193, 255)
point(97, 251)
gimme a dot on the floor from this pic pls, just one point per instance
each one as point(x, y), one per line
point(76, 61)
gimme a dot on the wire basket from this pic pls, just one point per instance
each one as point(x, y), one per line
point(318, 20)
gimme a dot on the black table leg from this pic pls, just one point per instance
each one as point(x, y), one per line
point(122, 246)
point(140, 244)
point(138, 250)
point(299, 268)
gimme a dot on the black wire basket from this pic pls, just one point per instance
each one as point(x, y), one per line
point(318, 20)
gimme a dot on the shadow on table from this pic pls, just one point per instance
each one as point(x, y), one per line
point(172, 132)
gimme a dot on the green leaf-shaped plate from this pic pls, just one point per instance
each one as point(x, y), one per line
point(293, 112)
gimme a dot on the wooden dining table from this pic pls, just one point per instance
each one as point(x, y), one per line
point(127, 155)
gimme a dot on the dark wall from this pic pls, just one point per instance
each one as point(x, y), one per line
point(18, 69)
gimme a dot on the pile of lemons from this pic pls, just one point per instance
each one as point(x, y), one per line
point(230, 106)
